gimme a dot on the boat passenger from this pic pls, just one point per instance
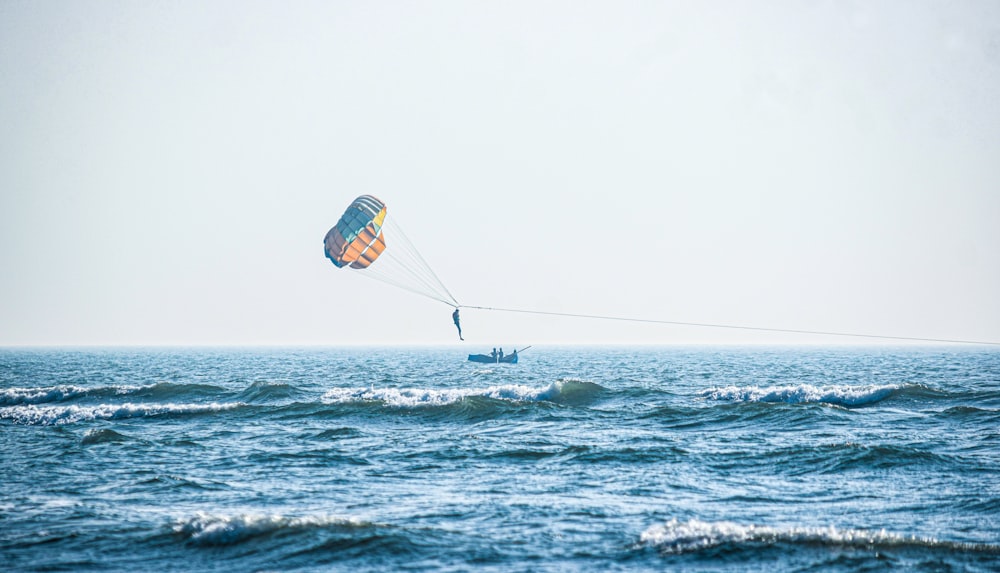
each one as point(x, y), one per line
point(501, 353)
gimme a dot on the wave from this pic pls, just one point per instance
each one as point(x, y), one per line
point(268, 391)
point(306, 542)
point(693, 536)
point(173, 391)
point(971, 414)
point(17, 396)
point(568, 391)
point(53, 415)
point(890, 456)
point(207, 529)
point(167, 482)
point(819, 459)
point(102, 436)
point(337, 434)
point(846, 396)
point(62, 393)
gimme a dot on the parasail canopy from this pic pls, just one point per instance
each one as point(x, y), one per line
point(359, 241)
point(357, 238)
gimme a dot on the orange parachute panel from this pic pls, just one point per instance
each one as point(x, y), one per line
point(357, 239)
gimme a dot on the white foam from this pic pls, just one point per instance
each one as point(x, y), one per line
point(226, 529)
point(409, 398)
point(50, 415)
point(804, 393)
point(695, 535)
point(15, 396)
point(11, 396)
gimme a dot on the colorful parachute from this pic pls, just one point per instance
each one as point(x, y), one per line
point(358, 241)
point(357, 238)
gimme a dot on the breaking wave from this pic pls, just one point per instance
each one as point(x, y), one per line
point(693, 536)
point(847, 396)
point(52, 415)
point(62, 393)
point(207, 529)
point(16, 396)
point(568, 391)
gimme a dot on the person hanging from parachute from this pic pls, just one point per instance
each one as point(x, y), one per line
point(458, 325)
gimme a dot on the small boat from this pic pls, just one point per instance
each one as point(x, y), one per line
point(497, 358)
point(491, 359)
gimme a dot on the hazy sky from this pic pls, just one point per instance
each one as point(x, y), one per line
point(168, 170)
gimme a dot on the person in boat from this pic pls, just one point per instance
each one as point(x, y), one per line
point(494, 353)
point(501, 353)
point(458, 325)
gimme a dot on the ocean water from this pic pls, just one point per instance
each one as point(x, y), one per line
point(412, 459)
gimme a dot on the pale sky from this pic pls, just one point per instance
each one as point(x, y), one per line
point(168, 170)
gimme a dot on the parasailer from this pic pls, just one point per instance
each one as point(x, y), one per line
point(458, 325)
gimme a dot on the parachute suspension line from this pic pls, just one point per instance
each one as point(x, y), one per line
point(391, 270)
point(430, 276)
point(402, 256)
point(418, 265)
point(381, 277)
point(736, 327)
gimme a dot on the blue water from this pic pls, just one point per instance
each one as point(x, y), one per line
point(715, 459)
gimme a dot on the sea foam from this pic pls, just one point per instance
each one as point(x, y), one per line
point(804, 393)
point(696, 535)
point(51, 415)
point(208, 529)
point(409, 398)
point(16, 396)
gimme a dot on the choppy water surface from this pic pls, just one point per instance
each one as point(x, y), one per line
point(412, 459)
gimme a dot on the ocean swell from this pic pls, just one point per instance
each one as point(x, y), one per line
point(846, 396)
point(17, 396)
point(677, 537)
point(207, 529)
point(52, 415)
point(560, 391)
point(62, 393)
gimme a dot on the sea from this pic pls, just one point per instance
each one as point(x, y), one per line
point(575, 459)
